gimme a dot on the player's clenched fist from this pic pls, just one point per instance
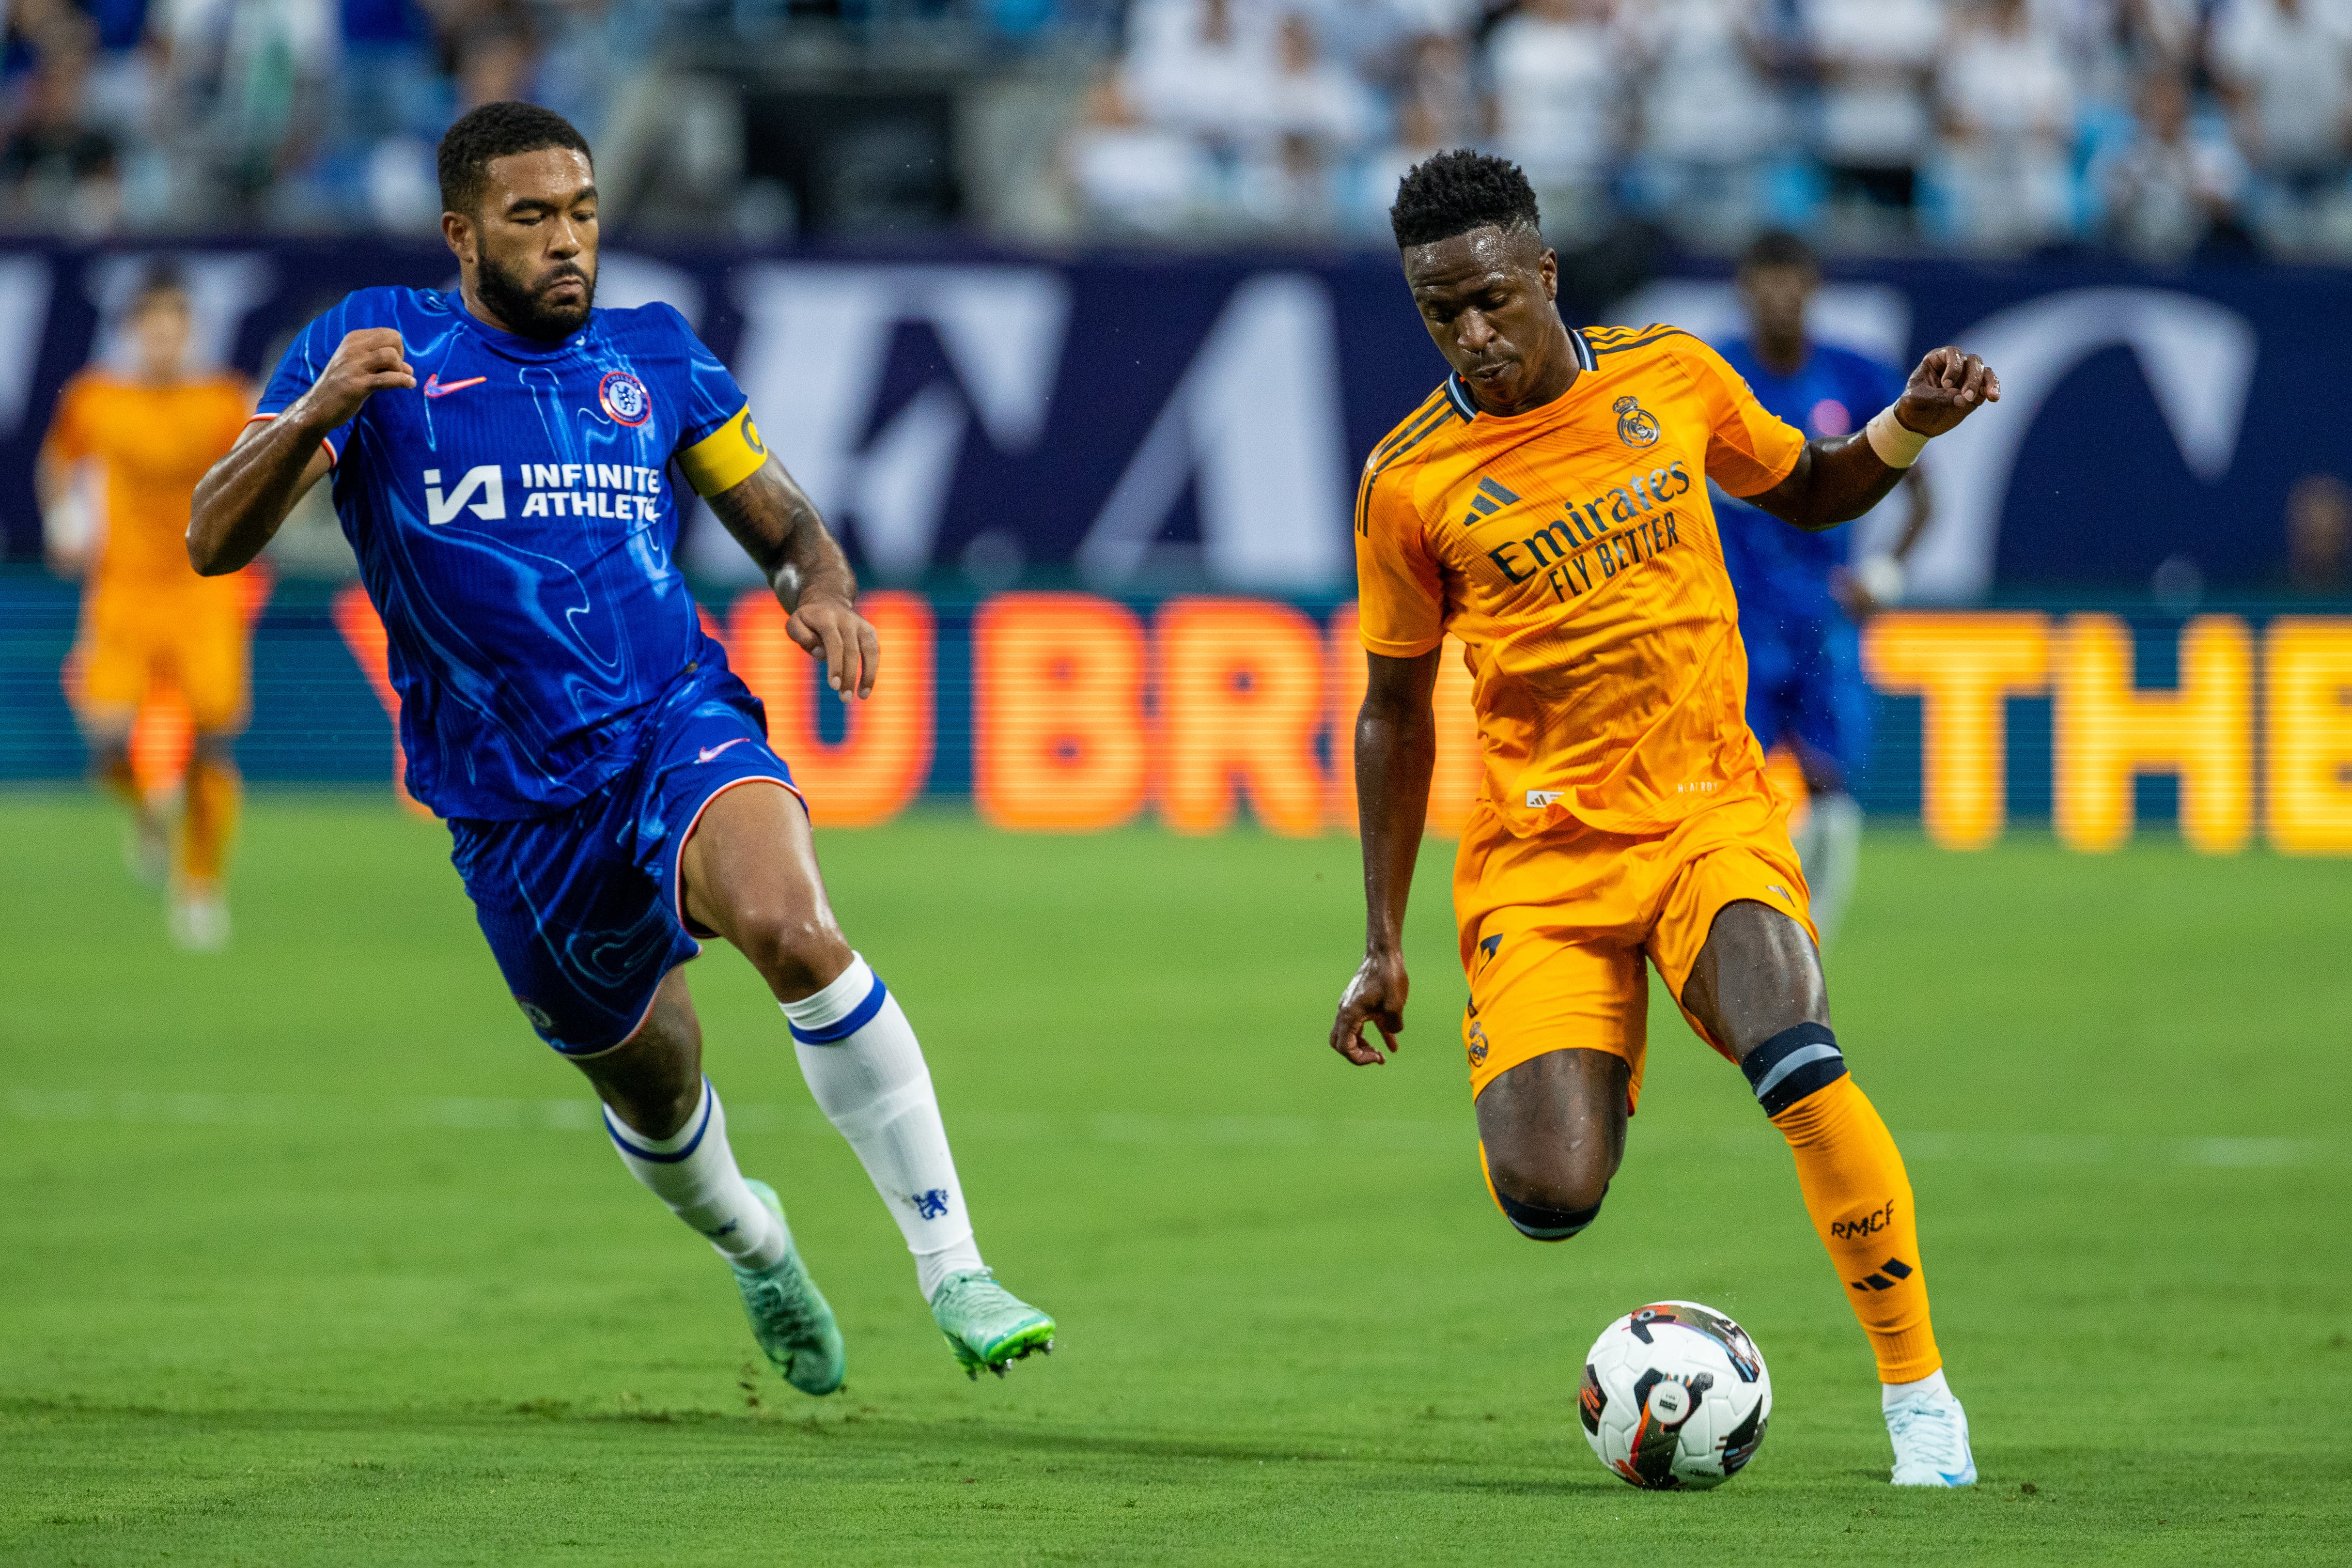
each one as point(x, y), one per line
point(1375, 996)
point(370, 361)
point(1946, 389)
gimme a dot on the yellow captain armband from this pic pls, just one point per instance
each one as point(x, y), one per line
point(726, 457)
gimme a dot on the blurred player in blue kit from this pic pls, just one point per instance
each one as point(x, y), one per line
point(503, 456)
point(1801, 598)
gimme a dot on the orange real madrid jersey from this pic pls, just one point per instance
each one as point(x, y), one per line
point(1572, 551)
point(154, 443)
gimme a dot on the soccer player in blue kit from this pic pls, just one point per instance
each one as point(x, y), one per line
point(1800, 596)
point(503, 456)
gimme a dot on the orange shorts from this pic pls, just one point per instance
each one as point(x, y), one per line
point(1555, 926)
point(193, 641)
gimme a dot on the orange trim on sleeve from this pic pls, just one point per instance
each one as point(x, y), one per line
point(333, 457)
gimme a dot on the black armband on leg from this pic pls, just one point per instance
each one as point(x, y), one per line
point(1792, 1064)
point(1539, 1223)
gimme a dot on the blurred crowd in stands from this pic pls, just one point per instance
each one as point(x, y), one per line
point(296, 115)
point(2158, 127)
point(2161, 128)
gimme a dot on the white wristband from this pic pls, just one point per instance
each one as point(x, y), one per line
point(1897, 446)
point(1880, 577)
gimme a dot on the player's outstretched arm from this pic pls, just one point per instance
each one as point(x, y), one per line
point(1837, 480)
point(1396, 747)
point(239, 504)
point(776, 523)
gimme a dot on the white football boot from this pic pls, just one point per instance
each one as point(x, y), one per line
point(1931, 1438)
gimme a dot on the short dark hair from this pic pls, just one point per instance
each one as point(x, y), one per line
point(1777, 247)
point(160, 278)
point(1450, 193)
point(497, 130)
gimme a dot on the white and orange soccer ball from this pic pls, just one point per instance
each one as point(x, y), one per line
point(1676, 1395)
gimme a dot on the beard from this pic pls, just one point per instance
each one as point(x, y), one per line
point(521, 303)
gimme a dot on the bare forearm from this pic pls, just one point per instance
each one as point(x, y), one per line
point(1835, 481)
point(240, 504)
point(777, 524)
point(1396, 748)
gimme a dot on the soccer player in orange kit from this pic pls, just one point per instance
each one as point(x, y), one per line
point(1547, 505)
point(146, 615)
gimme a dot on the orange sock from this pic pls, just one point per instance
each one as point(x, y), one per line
point(213, 795)
point(1856, 1191)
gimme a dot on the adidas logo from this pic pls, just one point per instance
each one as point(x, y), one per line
point(1877, 1280)
point(1491, 499)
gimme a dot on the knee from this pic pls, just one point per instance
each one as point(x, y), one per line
point(1549, 1201)
point(795, 953)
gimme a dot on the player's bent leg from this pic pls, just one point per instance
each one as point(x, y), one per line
point(670, 1129)
point(207, 826)
point(147, 848)
point(748, 872)
point(1551, 1132)
point(1757, 990)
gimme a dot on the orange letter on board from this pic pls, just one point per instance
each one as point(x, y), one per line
point(1962, 665)
point(1241, 687)
point(1058, 738)
point(2104, 730)
point(872, 774)
point(2307, 671)
point(1461, 770)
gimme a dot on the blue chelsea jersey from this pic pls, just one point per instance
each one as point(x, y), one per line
point(1835, 391)
point(515, 516)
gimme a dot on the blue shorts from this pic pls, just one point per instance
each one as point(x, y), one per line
point(1805, 683)
point(582, 906)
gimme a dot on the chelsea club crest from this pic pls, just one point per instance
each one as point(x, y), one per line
point(1636, 426)
point(624, 400)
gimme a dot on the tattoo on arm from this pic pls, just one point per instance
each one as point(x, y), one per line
point(777, 525)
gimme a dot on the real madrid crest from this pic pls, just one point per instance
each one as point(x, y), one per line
point(626, 403)
point(1635, 426)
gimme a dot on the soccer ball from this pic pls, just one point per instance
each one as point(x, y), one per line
point(1674, 1395)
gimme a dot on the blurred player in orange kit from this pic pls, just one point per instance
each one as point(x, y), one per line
point(146, 615)
point(1547, 505)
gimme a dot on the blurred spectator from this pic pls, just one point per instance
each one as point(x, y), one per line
point(2009, 114)
point(1873, 57)
point(1561, 86)
point(246, 93)
point(2286, 67)
point(1416, 138)
point(1315, 116)
point(2175, 183)
point(60, 171)
point(1440, 85)
point(1709, 122)
point(1129, 175)
point(2319, 535)
point(1201, 66)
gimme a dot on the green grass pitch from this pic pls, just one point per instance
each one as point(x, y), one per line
point(308, 1253)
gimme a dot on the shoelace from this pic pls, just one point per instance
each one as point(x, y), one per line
point(976, 1294)
point(1938, 1442)
point(791, 1308)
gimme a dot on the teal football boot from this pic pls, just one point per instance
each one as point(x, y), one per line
point(789, 1314)
point(986, 1325)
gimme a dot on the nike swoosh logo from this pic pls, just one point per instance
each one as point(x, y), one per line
point(436, 387)
point(708, 752)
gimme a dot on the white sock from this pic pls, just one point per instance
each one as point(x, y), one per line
point(860, 1055)
point(1890, 1395)
point(694, 1171)
point(1831, 853)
